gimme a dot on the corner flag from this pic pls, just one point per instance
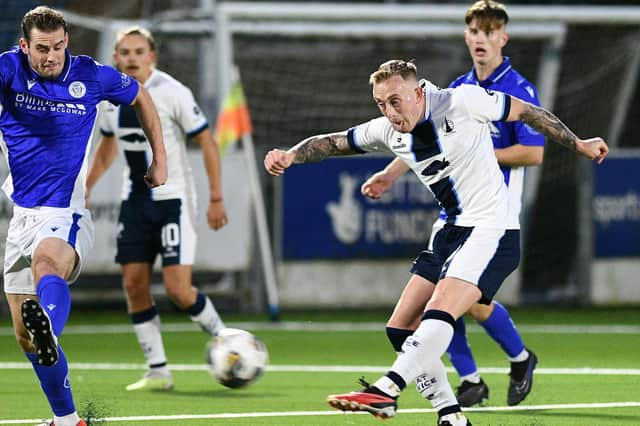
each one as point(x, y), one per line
point(233, 121)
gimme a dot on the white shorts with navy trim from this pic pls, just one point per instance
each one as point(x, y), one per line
point(481, 256)
point(28, 227)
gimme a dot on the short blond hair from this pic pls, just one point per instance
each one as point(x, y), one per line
point(136, 30)
point(406, 69)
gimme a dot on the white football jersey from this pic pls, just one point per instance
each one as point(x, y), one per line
point(180, 117)
point(451, 152)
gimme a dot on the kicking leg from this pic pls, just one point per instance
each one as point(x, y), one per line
point(421, 353)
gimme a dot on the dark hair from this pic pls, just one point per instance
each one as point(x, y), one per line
point(43, 18)
point(488, 14)
point(405, 69)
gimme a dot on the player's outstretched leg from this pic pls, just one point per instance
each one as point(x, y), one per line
point(370, 399)
point(472, 389)
point(146, 324)
point(521, 379)
point(420, 353)
point(45, 321)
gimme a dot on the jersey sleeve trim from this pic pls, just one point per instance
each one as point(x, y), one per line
point(506, 108)
point(104, 132)
point(351, 138)
point(198, 130)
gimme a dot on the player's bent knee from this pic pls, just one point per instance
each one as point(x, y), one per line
point(138, 293)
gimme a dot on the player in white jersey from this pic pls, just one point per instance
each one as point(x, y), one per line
point(515, 145)
point(444, 137)
point(160, 221)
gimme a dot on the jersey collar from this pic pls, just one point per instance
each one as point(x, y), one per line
point(63, 75)
point(495, 76)
point(152, 76)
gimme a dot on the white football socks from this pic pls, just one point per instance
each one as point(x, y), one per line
point(423, 349)
point(209, 319)
point(424, 363)
point(150, 340)
point(522, 356)
point(435, 387)
point(68, 420)
point(472, 378)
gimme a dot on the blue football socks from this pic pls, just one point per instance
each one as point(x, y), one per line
point(55, 383)
point(459, 351)
point(502, 329)
point(55, 299)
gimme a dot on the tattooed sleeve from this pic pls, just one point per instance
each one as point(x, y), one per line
point(317, 148)
point(549, 125)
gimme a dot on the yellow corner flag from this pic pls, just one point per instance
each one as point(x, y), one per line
point(233, 120)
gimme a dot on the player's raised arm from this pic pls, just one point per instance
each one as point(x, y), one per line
point(551, 126)
point(150, 122)
point(311, 150)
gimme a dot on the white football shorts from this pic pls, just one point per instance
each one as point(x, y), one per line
point(28, 227)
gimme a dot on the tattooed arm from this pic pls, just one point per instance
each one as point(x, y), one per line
point(311, 150)
point(551, 126)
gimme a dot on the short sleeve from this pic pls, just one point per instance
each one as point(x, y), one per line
point(106, 115)
point(188, 114)
point(484, 105)
point(7, 70)
point(370, 136)
point(117, 88)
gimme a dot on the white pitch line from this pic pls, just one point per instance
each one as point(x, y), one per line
point(343, 326)
point(334, 413)
point(330, 369)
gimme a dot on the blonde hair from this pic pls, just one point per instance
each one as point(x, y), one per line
point(406, 69)
point(136, 30)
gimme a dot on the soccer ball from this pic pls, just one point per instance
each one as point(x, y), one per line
point(236, 357)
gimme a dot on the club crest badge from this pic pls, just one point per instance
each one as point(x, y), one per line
point(77, 89)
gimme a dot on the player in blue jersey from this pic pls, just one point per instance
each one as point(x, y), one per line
point(160, 221)
point(516, 145)
point(49, 103)
point(444, 137)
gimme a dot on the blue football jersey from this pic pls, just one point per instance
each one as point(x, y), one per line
point(504, 134)
point(508, 80)
point(47, 125)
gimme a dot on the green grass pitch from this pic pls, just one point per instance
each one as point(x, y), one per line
point(107, 360)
